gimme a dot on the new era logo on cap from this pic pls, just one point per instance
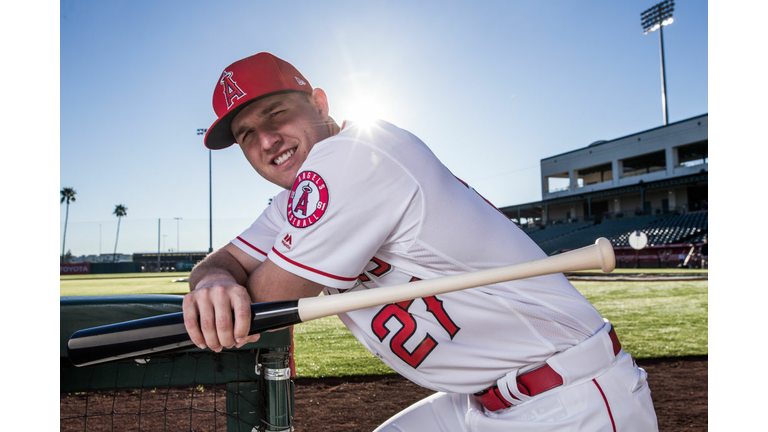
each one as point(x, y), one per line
point(245, 81)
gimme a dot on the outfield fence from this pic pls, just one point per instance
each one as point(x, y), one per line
point(246, 389)
point(98, 238)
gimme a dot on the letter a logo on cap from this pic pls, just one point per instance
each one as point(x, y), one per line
point(231, 90)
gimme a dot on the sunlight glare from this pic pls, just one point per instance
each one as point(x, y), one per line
point(365, 109)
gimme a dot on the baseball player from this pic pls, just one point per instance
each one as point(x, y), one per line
point(366, 207)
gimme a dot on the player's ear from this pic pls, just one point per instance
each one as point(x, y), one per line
point(320, 102)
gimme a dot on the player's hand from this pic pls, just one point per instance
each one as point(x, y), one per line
point(217, 315)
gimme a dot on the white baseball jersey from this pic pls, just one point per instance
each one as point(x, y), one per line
point(373, 207)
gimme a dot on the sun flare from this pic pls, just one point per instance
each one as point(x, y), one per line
point(365, 110)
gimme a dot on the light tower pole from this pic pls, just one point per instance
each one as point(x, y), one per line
point(210, 197)
point(655, 18)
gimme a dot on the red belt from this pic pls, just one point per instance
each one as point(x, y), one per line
point(532, 383)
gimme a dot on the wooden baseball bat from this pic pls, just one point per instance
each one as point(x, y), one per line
point(166, 333)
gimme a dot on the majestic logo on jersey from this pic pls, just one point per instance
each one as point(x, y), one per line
point(231, 89)
point(308, 201)
point(287, 241)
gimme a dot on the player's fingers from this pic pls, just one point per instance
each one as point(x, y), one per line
point(189, 308)
point(222, 303)
point(208, 324)
point(241, 308)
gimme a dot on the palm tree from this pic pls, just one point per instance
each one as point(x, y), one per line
point(120, 211)
point(68, 195)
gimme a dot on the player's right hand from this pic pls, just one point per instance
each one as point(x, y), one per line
point(217, 315)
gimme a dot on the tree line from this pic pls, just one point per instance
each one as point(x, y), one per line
point(68, 196)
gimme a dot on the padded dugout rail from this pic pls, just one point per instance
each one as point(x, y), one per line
point(252, 400)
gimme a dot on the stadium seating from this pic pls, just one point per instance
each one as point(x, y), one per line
point(684, 228)
point(587, 234)
point(660, 229)
point(553, 231)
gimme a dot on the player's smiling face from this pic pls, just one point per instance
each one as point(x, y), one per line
point(277, 132)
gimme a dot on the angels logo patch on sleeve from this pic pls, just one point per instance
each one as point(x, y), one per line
point(308, 201)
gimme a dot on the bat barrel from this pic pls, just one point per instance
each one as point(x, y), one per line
point(131, 339)
point(162, 334)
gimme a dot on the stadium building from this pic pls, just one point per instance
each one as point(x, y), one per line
point(653, 182)
point(168, 261)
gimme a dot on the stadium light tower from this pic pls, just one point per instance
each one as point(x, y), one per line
point(653, 19)
point(210, 197)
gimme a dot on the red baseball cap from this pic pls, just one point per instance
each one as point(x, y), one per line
point(246, 81)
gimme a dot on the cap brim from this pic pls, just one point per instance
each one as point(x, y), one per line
point(219, 135)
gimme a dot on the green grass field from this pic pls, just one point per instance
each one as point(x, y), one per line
point(121, 284)
point(652, 319)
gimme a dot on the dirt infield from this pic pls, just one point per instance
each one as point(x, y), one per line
point(678, 387)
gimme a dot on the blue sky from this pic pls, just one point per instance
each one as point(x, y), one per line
point(492, 87)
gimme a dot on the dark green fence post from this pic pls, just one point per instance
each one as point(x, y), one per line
point(278, 391)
